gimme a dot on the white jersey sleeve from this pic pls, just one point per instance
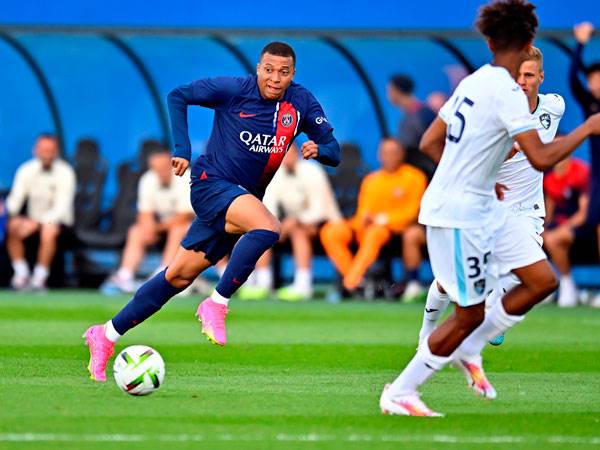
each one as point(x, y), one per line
point(512, 110)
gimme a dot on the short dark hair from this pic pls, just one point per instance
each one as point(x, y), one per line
point(403, 83)
point(508, 24)
point(594, 67)
point(279, 49)
point(47, 135)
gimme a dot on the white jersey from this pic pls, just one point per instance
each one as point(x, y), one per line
point(486, 110)
point(304, 194)
point(525, 194)
point(164, 201)
point(49, 193)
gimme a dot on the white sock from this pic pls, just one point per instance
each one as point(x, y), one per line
point(496, 322)
point(566, 282)
point(435, 306)
point(40, 273)
point(303, 280)
point(124, 274)
point(110, 332)
point(21, 268)
point(218, 298)
point(419, 369)
point(264, 277)
point(251, 281)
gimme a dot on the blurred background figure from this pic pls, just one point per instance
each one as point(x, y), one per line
point(566, 197)
point(46, 185)
point(301, 196)
point(388, 203)
point(588, 98)
point(436, 100)
point(164, 215)
point(417, 117)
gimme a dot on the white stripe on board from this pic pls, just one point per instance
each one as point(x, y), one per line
point(311, 437)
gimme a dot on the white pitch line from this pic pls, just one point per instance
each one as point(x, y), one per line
point(310, 437)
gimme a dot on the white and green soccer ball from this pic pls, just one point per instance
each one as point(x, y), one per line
point(139, 370)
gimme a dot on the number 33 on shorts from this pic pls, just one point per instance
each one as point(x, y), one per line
point(459, 260)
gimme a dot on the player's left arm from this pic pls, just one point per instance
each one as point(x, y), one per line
point(322, 145)
point(434, 139)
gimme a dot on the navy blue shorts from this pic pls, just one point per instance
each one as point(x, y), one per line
point(210, 199)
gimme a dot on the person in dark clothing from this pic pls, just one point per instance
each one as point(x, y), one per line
point(588, 98)
point(418, 116)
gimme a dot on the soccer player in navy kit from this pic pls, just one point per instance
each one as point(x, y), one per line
point(256, 119)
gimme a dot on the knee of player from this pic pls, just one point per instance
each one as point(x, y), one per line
point(49, 232)
point(548, 283)
point(272, 225)
point(179, 278)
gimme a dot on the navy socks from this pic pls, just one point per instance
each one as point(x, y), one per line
point(246, 252)
point(148, 299)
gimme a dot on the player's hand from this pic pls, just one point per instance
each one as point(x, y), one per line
point(500, 189)
point(179, 165)
point(583, 32)
point(310, 150)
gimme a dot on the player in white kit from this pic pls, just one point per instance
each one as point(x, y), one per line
point(465, 221)
point(522, 192)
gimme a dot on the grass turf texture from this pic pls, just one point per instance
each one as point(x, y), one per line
point(293, 376)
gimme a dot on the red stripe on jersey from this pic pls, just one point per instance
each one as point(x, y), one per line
point(285, 128)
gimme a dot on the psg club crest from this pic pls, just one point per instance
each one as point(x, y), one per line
point(545, 120)
point(287, 119)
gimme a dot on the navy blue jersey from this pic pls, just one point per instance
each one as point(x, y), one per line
point(250, 134)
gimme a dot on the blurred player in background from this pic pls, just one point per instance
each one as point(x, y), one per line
point(466, 224)
point(521, 185)
point(47, 184)
point(388, 203)
point(589, 101)
point(567, 198)
point(301, 196)
point(164, 212)
point(257, 117)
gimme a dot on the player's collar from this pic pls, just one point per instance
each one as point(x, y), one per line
point(537, 105)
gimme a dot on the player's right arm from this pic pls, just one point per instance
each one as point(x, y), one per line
point(543, 156)
point(210, 93)
point(434, 139)
point(583, 33)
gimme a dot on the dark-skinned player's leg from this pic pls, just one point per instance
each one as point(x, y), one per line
point(248, 216)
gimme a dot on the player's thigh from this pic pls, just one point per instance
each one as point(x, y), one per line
point(246, 212)
point(459, 260)
point(187, 265)
point(49, 232)
point(516, 246)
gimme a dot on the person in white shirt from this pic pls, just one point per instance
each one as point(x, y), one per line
point(466, 224)
point(164, 211)
point(47, 184)
point(520, 185)
point(300, 193)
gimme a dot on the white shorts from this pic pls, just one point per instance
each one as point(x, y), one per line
point(461, 258)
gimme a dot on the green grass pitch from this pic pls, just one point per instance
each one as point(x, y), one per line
point(293, 376)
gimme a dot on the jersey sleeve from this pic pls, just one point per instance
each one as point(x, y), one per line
point(512, 109)
point(445, 112)
point(214, 93)
point(315, 123)
point(556, 105)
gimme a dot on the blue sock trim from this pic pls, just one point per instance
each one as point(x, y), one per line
point(149, 298)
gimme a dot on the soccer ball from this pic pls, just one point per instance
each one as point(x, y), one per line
point(139, 370)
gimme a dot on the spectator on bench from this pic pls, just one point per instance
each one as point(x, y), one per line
point(47, 184)
point(566, 197)
point(301, 195)
point(417, 118)
point(388, 203)
point(164, 212)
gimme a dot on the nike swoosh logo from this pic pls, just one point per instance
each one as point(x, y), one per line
point(243, 115)
point(430, 310)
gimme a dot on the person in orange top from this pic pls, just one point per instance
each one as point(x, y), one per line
point(388, 203)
